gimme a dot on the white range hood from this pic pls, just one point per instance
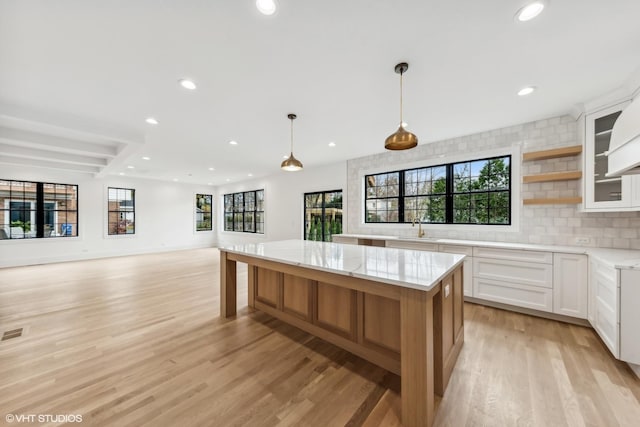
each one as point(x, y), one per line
point(624, 148)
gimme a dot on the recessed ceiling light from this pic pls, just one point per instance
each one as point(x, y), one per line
point(187, 84)
point(332, 144)
point(151, 120)
point(526, 90)
point(212, 169)
point(209, 183)
point(175, 179)
point(530, 11)
point(266, 7)
point(227, 180)
point(285, 157)
point(233, 142)
point(249, 174)
point(146, 158)
point(131, 167)
point(121, 173)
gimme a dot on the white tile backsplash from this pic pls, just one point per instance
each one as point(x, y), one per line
point(542, 224)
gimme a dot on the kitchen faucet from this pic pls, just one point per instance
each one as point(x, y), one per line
point(420, 230)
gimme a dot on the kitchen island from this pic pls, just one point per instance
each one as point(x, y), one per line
point(400, 309)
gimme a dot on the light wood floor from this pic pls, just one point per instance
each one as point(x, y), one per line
point(138, 341)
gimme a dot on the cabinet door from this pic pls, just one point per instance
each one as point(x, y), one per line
point(604, 284)
point(602, 192)
point(635, 191)
point(570, 285)
point(629, 316)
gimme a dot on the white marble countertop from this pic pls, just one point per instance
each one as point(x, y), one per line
point(401, 267)
point(618, 258)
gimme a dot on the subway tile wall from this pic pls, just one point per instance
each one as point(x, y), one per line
point(540, 224)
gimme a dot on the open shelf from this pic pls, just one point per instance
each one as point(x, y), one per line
point(604, 132)
point(553, 153)
point(554, 201)
point(605, 180)
point(552, 176)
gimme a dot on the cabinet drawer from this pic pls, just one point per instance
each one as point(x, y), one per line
point(532, 274)
point(456, 249)
point(516, 294)
point(514, 255)
point(421, 246)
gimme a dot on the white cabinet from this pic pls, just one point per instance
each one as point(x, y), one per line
point(602, 193)
point(630, 316)
point(516, 277)
point(467, 271)
point(615, 296)
point(604, 293)
point(570, 285)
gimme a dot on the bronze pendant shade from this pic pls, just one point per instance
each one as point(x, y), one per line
point(291, 164)
point(401, 139)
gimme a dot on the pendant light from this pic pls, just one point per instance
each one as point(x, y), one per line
point(401, 139)
point(291, 164)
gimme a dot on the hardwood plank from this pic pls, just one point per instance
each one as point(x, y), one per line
point(140, 341)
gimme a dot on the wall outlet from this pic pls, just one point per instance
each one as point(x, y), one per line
point(582, 240)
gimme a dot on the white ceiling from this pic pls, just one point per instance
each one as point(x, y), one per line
point(99, 68)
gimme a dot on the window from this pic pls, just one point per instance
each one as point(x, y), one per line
point(203, 212)
point(244, 211)
point(121, 211)
point(322, 215)
point(37, 210)
point(471, 192)
point(383, 197)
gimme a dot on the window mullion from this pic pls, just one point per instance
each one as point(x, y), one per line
point(39, 209)
point(448, 198)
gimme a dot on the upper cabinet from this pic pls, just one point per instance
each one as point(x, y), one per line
point(602, 193)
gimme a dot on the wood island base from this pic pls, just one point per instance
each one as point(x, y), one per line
point(413, 333)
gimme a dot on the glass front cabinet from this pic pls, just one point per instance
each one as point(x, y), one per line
point(603, 193)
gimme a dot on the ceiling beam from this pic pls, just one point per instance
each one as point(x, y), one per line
point(34, 153)
point(48, 164)
point(54, 143)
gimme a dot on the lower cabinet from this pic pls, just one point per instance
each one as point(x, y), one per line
point(570, 285)
point(606, 304)
point(629, 316)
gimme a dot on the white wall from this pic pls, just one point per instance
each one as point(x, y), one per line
point(284, 203)
point(164, 220)
point(540, 224)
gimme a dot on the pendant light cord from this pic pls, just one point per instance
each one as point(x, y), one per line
point(401, 73)
point(291, 136)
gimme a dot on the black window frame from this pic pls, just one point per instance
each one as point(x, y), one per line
point(119, 211)
point(40, 212)
point(209, 198)
point(245, 217)
point(323, 207)
point(449, 195)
